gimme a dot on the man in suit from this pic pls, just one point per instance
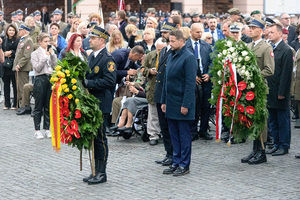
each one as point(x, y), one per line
point(178, 102)
point(265, 61)
point(100, 81)
point(286, 22)
point(125, 60)
point(163, 122)
point(22, 63)
point(201, 50)
point(215, 32)
point(279, 93)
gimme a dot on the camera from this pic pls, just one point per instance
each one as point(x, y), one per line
point(48, 47)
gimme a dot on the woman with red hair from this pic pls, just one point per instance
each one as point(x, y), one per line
point(74, 46)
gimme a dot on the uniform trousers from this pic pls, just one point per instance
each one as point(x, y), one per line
point(22, 78)
point(280, 125)
point(180, 132)
point(27, 89)
point(153, 128)
point(41, 94)
point(101, 148)
point(163, 123)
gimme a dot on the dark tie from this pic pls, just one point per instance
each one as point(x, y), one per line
point(273, 45)
point(213, 40)
point(92, 58)
point(196, 50)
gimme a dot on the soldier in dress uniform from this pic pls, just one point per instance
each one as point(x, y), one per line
point(14, 19)
point(100, 82)
point(57, 13)
point(37, 18)
point(265, 61)
point(3, 24)
point(22, 63)
point(19, 14)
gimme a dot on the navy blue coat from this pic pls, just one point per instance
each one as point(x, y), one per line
point(102, 80)
point(179, 85)
point(121, 56)
point(219, 32)
point(86, 43)
point(163, 57)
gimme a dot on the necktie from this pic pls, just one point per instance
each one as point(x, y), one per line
point(196, 50)
point(213, 39)
point(252, 45)
point(273, 45)
point(157, 61)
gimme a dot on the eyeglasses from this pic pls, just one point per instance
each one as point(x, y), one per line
point(209, 38)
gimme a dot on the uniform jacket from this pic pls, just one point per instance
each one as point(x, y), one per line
point(121, 56)
point(102, 79)
point(34, 33)
point(264, 57)
point(149, 63)
point(86, 43)
point(23, 54)
point(219, 32)
point(39, 62)
point(292, 34)
point(163, 58)
point(179, 85)
point(296, 77)
point(280, 82)
point(3, 26)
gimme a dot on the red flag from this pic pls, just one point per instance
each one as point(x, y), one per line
point(121, 4)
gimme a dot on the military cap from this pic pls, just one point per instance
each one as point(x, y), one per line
point(210, 16)
point(1, 13)
point(13, 14)
point(91, 24)
point(269, 22)
point(234, 28)
point(25, 27)
point(70, 15)
point(167, 27)
point(255, 12)
point(202, 16)
point(31, 15)
point(19, 12)
point(285, 31)
point(111, 14)
point(186, 15)
point(234, 11)
point(58, 12)
point(258, 23)
point(151, 10)
point(195, 14)
point(167, 14)
point(36, 13)
point(292, 15)
point(99, 32)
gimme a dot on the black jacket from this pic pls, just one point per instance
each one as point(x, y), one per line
point(295, 44)
point(123, 25)
point(292, 34)
point(10, 45)
point(131, 44)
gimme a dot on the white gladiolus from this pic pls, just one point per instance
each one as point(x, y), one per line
point(244, 53)
point(247, 58)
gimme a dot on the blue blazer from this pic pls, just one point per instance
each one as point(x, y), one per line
point(205, 51)
point(219, 32)
point(121, 56)
point(61, 43)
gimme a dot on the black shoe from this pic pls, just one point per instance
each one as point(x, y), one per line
point(99, 178)
point(205, 136)
point(260, 157)
point(161, 161)
point(170, 170)
point(24, 110)
point(180, 171)
point(124, 128)
point(273, 150)
point(153, 142)
point(280, 152)
point(297, 156)
point(195, 137)
point(167, 162)
point(87, 178)
point(247, 158)
point(114, 128)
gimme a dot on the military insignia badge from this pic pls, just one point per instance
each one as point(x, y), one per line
point(96, 69)
point(28, 47)
point(111, 66)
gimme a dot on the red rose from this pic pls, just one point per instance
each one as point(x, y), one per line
point(241, 108)
point(242, 117)
point(233, 91)
point(74, 125)
point(250, 95)
point(77, 114)
point(250, 110)
point(242, 85)
point(232, 103)
point(249, 124)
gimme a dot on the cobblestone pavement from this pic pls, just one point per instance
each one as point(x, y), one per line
point(30, 169)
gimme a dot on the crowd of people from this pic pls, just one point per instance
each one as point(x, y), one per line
point(161, 61)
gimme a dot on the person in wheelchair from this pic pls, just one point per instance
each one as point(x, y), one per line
point(131, 105)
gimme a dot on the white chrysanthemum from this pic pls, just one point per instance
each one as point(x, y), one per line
point(252, 85)
point(219, 73)
point(240, 59)
point(243, 68)
point(219, 82)
point(244, 53)
point(247, 73)
point(229, 44)
point(235, 60)
point(247, 58)
point(242, 72)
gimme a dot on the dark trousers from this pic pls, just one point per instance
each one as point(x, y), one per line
point(280, 125)
point(41, 94)
point(9, 77)
point(163, 123)
point(205, 107)
point(180, 132)
point(101, 148)
point(199, 96)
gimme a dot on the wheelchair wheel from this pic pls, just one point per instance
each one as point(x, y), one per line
point(126, 135)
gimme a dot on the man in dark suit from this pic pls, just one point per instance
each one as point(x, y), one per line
point(163, 122)
point(178, 102)
point(201, 51)
point(285, 19)
point(279, 93)
point(125, 60)
point(215, 32)
point(100, 81)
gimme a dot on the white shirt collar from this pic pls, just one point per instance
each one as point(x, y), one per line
point(97, 52)
point(168, 47)
point(276, 44)
point(257, 41)
point(193, 41)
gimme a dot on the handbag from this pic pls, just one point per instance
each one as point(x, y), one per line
point(8, 62)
